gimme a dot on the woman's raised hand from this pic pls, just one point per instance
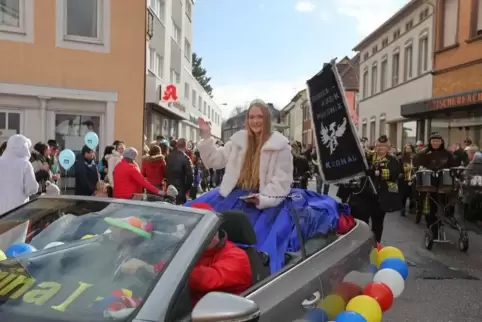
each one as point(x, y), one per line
point(205, 128)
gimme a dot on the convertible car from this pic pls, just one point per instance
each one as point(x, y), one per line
point(64, 255)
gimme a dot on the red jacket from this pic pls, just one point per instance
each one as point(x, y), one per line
point(153, 168)
point(225, 268)
point(128, 180)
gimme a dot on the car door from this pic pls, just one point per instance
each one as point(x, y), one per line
point(287, 295)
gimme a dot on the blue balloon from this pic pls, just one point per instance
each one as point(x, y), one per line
point(19, 249)
point(373, 268)
point(91, 140)
point(66, 159)
point(349, 316)
point(396, 264)
point(317, 315)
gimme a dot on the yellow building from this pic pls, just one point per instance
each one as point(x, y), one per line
point(70, 66)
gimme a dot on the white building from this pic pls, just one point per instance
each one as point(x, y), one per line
point(396, 64)
point(168, 62)
point(292, 117)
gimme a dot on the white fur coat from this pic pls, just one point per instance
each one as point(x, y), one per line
point(276, 165)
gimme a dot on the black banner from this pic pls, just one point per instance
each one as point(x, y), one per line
point(340, 154)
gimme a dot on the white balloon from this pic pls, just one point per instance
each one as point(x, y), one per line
point(53, 244)
point(358, 278)
point(392, 279)
point(108, 231)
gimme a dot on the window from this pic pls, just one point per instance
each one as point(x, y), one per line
point(364, 129)
point(374, 50)
point(83, 19)
point(194, 98)
point(176, 33)
point(449, 24)
point(373, 125)
point(424, 14)
point(204, 110)
point(478, 28)
point(209, 113)
point(365, 84)
point(11, 15)
point(395, 68)
point(408, 62)
point(200, 102)
point(187, 49)
point(9, 124)
point(396, 34)
point(384, 42)
point(383, 75)
point(374, 79)
point(383, 125)
point(409, 25)
point(187, 88)
point(423, 55)
point(159, 65)
point(175, 77)
point(205, 106)
point(160, 9)
point(152, 60)
point(189, 9)
point(365, 56)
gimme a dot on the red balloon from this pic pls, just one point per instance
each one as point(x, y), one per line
point(348, 290)
point(381, 293)
point(379, 246)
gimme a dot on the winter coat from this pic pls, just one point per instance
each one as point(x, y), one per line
point(129, 181)
point(18, 178)
point(112, 160)
point(153, 168)
point(39, 162)
point(86, 176)
point(276, 165)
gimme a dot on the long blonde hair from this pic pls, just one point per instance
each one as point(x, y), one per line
point(249, 176)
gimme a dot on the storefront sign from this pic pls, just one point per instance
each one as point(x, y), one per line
point(179, 106)
point(192, 118)
point(455, 101)
point(170, 93)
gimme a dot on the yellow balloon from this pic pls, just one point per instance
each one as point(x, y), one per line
point(389, 252)
point(332, 305)
point(367, 307)
point(88, 236)
point(374, 257)
point(2, 256)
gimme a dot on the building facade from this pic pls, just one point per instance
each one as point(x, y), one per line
point(395, 66)
point(292, 117)
point(455, 111)
point(237, 122)
point(69, 67)
point(174, 99)
point(348, 70)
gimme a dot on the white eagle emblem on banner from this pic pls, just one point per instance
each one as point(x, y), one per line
point(330, 135)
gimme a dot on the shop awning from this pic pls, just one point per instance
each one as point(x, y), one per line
point(166, 112)
point(447, 103)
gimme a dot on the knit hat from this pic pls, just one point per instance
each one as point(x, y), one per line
point(419, 142)
point(130, 153)
point(435, 135)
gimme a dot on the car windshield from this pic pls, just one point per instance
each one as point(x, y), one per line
point(84, 260)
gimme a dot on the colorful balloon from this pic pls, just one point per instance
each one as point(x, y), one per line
point(316, 315)
point(91, 140)
point(88, 236)
point(19, 249)
point(333, 305)
point(53, 244)
point(348, 290)
point(367, 307)
point(396, 264)
point(2, 255)
point(379, 246)
point(66, 159)
point(373, 269)
point(389, 252)
point(358, 278)
point(392, 279)
point(374, 256)
point(381, 293)
point(349, 316)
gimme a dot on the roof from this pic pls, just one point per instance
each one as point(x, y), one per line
point(409, 7)
point(291, 104)
point(348, 69)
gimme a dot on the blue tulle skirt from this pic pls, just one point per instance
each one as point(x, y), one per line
point(274, 227)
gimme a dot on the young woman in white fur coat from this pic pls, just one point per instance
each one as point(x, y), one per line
point(258, 176)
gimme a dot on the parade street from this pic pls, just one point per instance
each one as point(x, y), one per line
point(444, 285)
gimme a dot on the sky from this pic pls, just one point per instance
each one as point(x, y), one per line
point(268, 49)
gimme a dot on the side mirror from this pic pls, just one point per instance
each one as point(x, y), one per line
point(225, 307)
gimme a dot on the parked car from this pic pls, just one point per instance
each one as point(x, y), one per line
point(69, 267)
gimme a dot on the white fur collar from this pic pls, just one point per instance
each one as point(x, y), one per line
point(276, 141)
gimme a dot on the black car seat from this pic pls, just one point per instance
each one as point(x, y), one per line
point(240, 231)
